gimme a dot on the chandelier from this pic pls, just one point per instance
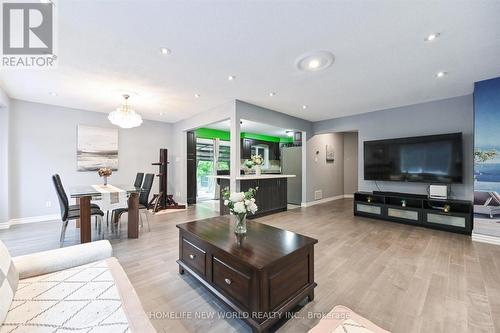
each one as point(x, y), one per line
point(124, 116)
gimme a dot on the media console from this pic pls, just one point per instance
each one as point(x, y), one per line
point(450, 215)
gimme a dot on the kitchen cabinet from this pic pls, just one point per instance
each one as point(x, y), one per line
point(271, 197)
point(246, 148)
point(191, 168)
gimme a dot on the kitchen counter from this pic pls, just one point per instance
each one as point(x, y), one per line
point(271, 196)
point(262, 176)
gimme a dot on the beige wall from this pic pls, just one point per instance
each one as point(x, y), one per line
point(350, 162)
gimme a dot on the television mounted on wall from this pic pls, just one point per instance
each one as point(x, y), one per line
point(425, 159)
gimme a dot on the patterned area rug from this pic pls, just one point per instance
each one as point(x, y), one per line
point(81, 299)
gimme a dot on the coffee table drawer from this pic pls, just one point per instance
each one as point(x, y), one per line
point(235, 283)
point(193, 256)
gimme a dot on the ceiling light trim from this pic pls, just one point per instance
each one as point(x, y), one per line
point(315, 61)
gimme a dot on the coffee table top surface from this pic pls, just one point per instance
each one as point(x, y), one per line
point(259, 247)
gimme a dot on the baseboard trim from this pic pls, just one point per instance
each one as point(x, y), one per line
point(31, 219)
point(486, 239)
point(320, 201)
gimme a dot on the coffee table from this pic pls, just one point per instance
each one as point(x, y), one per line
point(262, 275)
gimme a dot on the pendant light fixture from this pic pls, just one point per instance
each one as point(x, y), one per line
point(124, 116)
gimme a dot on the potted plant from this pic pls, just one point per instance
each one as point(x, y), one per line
point(240, 204)
point(257, 162)
point(105, 172)
point(249, 165)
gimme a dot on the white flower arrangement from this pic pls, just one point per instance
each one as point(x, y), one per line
point(257, 159)
point(240, 203)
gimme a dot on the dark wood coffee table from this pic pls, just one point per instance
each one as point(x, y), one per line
point(261, 275)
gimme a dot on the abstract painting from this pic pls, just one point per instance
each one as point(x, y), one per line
point(97, 148)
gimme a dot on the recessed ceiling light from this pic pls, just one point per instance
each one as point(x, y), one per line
point(231, 77)
point(313, 64)
point(315, 61)
point(272, 93)
point(432, 36)
point(441, 74)
point(164, 50)
point(289, 133)
point(52, 93)
point(162, 114)
point(196, 95)
point(304, 107)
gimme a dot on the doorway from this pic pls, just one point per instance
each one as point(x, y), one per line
point(211, 155)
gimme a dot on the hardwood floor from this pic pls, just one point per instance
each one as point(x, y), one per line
point(403, 278)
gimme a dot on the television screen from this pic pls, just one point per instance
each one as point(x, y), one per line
point(428, 159)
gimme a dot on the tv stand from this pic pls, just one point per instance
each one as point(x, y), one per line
point(400, 194)
point(416, 209)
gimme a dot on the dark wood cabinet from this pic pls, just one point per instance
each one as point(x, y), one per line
point(271, 196)
point(191, 168)
point(260, 274)
point(246, 148)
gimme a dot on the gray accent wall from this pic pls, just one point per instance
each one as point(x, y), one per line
point(350, 162)
point(327, 177)
point(43, 141)
point(4, 156)
point(436, 117)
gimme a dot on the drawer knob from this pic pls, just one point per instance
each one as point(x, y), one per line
point(228, 281)
point(192, 256)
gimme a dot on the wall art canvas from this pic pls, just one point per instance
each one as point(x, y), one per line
point(330, 153)
point(97, 148)
point(487, 157)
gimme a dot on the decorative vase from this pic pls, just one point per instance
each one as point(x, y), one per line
point(258, 170)
point(105, 180)
point(240, 224)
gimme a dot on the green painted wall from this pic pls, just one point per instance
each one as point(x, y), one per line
point(209, 133)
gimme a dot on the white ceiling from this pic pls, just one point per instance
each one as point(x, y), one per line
point(249, 126)
point(381, 60)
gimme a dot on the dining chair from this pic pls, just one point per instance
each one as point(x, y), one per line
point(138, 179)
point(71, 212)
point(137, 183)
point(65, 196)
point(143, 201)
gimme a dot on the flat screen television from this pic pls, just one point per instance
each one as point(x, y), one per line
point(426, 159)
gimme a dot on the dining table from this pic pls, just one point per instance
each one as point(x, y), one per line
point(87, 193)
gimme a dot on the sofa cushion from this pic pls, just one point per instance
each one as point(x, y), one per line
point(8, 281)
point(83, 298)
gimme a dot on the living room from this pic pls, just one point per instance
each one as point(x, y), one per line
point(243, 166)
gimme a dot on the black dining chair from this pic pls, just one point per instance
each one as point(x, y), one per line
point(138, 179)
point(143, 201)
point(137, 183)
point(70, 212)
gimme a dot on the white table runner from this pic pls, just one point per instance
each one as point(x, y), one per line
point(112, 197)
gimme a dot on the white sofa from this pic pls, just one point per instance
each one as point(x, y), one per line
point(79, 288)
